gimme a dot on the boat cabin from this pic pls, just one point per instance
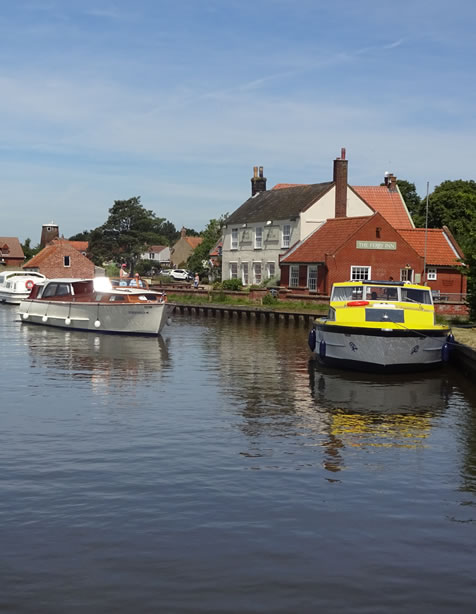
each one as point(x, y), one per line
point(99, 289)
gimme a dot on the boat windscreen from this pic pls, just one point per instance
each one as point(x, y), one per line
point(346, 293)
point(415, 295)
point(381, 293)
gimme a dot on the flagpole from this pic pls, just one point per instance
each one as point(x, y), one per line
point(426, 234)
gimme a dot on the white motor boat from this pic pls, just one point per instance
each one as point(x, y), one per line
point(17, 285)
point(96, 305)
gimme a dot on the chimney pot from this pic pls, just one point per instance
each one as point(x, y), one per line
point(258, 182)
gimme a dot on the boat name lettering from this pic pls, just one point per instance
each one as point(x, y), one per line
point(376, 245)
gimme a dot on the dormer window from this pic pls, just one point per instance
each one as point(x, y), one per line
point(67, 261)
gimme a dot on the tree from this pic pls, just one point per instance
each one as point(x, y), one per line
point(81, 236)
point(198, 261)
point(410, 196)
point(452, 204)
point(126, 233)
point(28, 250)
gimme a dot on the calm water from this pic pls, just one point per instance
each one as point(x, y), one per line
point(215, 470)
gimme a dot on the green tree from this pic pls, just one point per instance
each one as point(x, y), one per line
point(126, 233)
point(28, 250)
point(198, 261)
point(470, 261)
point(452, 204)
point(410, 196)
point(81, 236)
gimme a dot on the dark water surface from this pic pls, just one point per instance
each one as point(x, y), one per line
point(215, 470)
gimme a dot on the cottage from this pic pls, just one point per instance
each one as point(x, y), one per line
point(11, 252)
point(60, 259)
point(183, 248)
point(158, 255)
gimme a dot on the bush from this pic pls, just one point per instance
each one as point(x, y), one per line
point(232, 284)
point(269, 299)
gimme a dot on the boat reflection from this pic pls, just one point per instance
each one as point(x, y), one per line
point(371, 411)
point(102, 359)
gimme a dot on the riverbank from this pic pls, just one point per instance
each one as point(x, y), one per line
point(466, 336)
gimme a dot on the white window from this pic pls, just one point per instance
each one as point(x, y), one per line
point(234, 238)
point(258, 238)
point(66, 261)
point(245, 273)
point(406, 274)
point(286, 235)
point(233, 270)
point(151, 256)
point(312, 277)
point(271, 269)
point(360, 272)
point(294, 276)
point(257, 273)
point(431, 274)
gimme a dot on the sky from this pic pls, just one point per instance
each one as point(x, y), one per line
point(176, 101)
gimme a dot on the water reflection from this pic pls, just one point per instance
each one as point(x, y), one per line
point(102, 359)
point(369, 411)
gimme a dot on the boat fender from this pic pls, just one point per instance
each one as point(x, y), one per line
point(445, 352)
point(450, 339)
point(312, 339)
point(322, 349)
point(29, 284)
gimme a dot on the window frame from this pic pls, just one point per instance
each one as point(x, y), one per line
point(68, 259)
point(431, 274)
point(286, 238)
point(259, 241)
point(293, 268)
point(362, 268)
point(257, 276)
point(233, 273)
point(234, 239)
point(312, 268)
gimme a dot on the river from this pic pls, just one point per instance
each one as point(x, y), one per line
point(216, 470)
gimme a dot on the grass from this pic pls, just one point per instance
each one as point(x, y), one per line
point(217, 298)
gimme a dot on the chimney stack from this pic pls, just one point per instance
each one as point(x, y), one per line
point(258, 182)
point(390, 181)
point(340, 180)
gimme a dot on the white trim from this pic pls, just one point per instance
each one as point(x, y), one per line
point(360, 266)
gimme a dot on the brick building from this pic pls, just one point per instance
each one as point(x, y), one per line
point(11, 252)
point(60, 259)
point(370, 247)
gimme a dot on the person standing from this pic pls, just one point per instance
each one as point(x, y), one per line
point(196, 281)
point(123, 272)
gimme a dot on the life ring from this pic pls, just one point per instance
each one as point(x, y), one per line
point(29, 284)
point(357, 303)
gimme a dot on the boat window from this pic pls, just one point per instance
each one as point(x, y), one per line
point(381, 293)
point(117, 297)
point(346, 293)
point(384, 315)
point(2, 279)
point(56, 289)
point(414, 295)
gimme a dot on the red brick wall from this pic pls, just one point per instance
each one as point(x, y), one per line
point(384, 263)
point(448, 281)
point(53, 265)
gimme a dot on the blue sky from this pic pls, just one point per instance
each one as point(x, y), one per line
point(175, 101)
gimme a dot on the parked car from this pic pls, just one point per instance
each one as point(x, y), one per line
point(165, 272)
point(181, 275)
